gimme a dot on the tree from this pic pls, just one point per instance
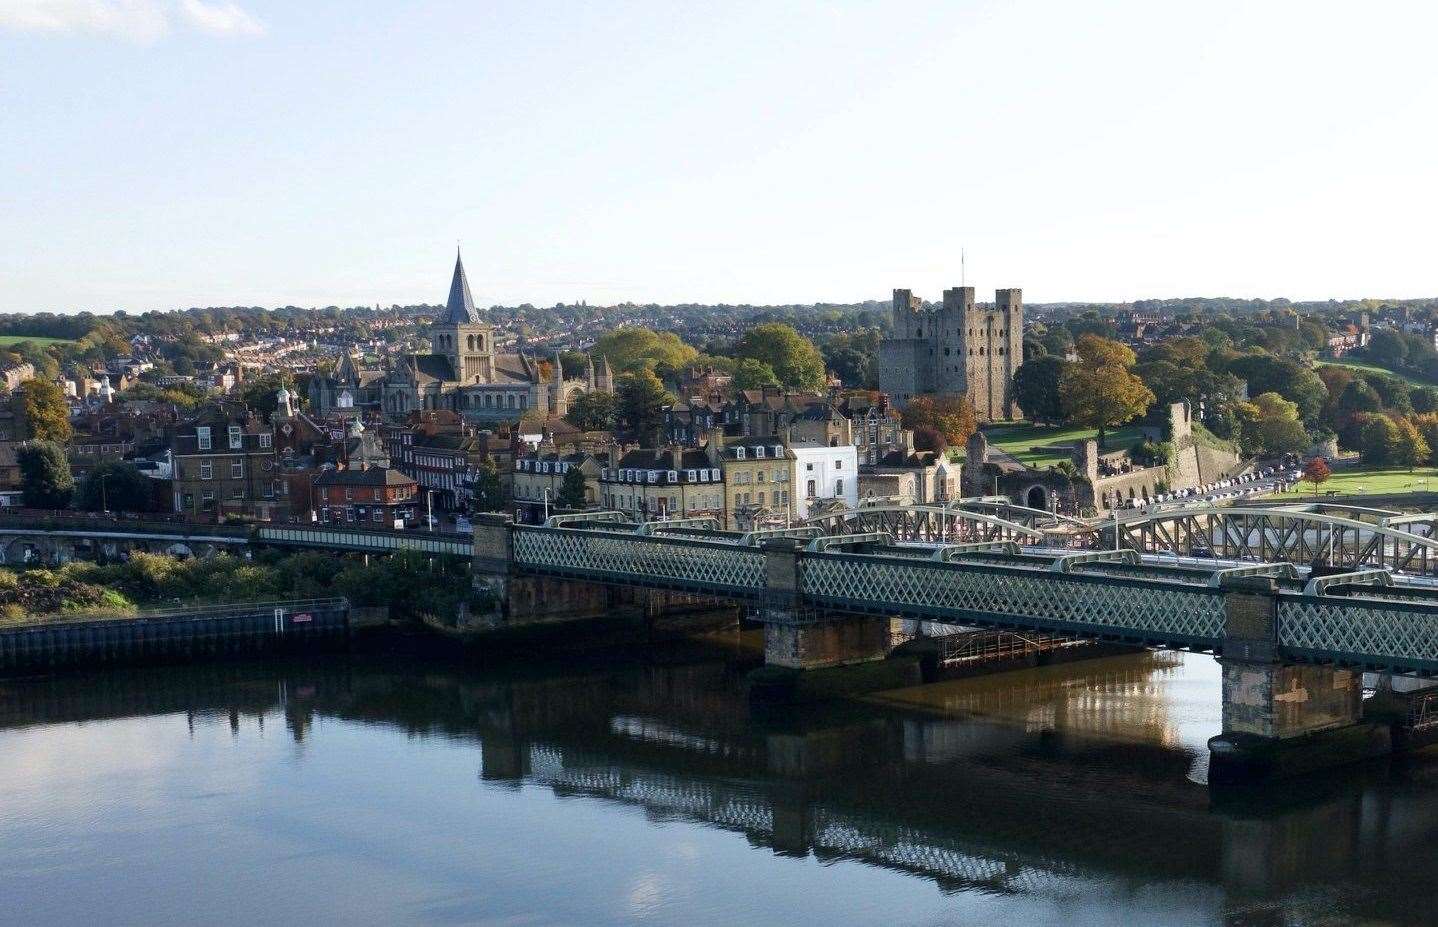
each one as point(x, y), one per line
point(752, 374)
point(641, 401)
point(1316, 472)
point(793, 358)
point(929, 439)
point(1427, 425)
point(1036, 388)
point(1387, 348)
point(260, 393)
point(571, 490)
point(1271, 425)
point(1411, 449)
point(1094, 351)
point(1103, 397)
point(950, 416)
point(116, 486)
point(1378, 439)
point(45, 475)
point(487, 492)
point(592, 411)
point(41, 405)
point(1425, 399)
point(1265, 373)
point(631, 347)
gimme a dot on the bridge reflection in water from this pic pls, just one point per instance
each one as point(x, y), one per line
point(1071, 784)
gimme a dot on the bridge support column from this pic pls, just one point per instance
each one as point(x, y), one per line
point(1282, 719)
point(492, 566)
point(799, 638)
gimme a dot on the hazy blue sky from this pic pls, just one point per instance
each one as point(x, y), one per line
point(169, 153)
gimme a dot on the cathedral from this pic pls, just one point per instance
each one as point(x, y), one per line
point(464, 372)
point(956, 347)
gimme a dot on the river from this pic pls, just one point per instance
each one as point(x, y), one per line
point(361, 790)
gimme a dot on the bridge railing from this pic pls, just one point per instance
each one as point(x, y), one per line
point(365, 539)
point(1140, 610)
point(667, 562)
point(1389, 632)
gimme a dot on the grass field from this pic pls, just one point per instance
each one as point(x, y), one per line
point(1367, 482)
point(6, 340)
point(1373, 368)
point(1018, 440)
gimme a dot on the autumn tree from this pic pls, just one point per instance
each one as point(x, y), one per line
point(950, 416)
point(1411, 449)
point(41, 405)
point(1316, 472)
point(1100, 391)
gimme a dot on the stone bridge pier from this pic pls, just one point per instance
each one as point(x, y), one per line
point(797, 636)
point(1280, 718)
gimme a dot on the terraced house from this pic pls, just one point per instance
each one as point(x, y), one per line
point(666, 482)
point(225, 465)
point(757, 481)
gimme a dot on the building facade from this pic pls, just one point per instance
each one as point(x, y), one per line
point(823, 473)
point(374, 497)
point(224, 463)
point(758, 491)
point(652, 483)
point(538, 479)
point(957, 347)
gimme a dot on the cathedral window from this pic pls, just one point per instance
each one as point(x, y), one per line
point(981, 352)
point(1001, 352)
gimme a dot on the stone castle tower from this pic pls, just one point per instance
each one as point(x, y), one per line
point(462, 335)
point(956, 347)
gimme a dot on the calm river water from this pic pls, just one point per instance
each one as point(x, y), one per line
point(365, 791)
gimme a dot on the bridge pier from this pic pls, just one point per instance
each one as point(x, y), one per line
point(799, 637)
point(1282, 719)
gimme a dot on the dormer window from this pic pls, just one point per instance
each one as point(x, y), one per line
point(738, 453)
point(778, 450)
point(691, 475)
point(759, 452)
point(673, 476)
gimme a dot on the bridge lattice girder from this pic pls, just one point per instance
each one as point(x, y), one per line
point(1273, 535)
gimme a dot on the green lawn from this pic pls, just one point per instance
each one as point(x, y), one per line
point(1368, 481)
point(42, 342)
point(1019, 440)
point(1374, 368)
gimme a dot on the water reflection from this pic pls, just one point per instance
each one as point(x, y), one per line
point(1064, 794)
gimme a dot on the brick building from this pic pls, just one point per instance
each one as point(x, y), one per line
point(374, 497)
point(224, 463)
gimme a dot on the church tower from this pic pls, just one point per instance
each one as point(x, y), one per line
point(461, 335)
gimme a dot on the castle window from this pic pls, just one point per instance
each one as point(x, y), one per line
point(981, 352)
point(1001, 351)
point(946, 352)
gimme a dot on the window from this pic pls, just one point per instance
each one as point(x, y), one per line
point(349, 494)
point(809, 467)
point(237, 471)
point(838, 465)
point(838, 487)
point(738, 453)
point(673, 476)
point(778, 450)
point(761, 498)
point(237, 494)
point(267, 440)
point(811, 489)
point(378, 515)
point(236, 438)
point(207, 470)
point(759, 452)
point(202, 437)
point(691, 475)
point(208, 497)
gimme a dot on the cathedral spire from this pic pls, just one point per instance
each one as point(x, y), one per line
point(459, 309)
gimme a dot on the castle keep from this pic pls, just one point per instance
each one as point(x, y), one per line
point(956, 347)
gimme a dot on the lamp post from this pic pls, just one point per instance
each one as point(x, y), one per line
point(429, 508)
point(104, 496)
point(546, 503)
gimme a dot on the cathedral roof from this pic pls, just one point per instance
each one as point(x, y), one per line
point(459, 308)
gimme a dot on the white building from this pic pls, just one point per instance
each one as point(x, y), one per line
point(822, 473)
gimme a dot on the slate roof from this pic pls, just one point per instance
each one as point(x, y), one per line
point(459, 308)
point(374, 476)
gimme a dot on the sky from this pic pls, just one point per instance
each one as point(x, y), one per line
point(160, 154)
